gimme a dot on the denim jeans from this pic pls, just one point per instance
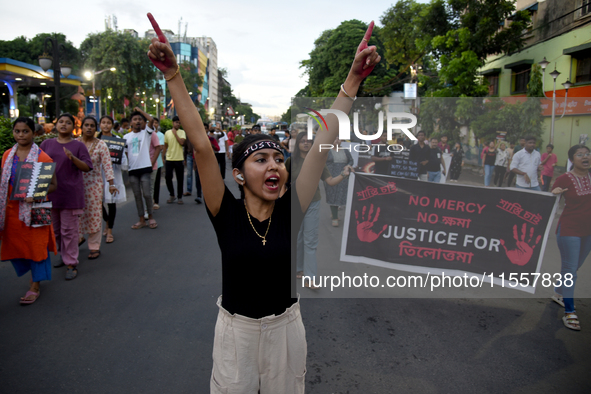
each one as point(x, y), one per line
point(488, 173)
point(573, 252)
point(434, 176)
point(308, 241)
point(190, 178)
point(529, 188)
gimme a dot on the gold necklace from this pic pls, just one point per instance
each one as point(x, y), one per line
point(255, 230)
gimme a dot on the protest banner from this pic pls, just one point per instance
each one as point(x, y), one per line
point(116, 148)
point(32, 180)
point(400, 166)
point(434, 228)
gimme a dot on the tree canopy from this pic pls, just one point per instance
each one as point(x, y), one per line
point(134, 71)
point(332, 56)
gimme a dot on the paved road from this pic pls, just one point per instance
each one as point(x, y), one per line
point(140, 319)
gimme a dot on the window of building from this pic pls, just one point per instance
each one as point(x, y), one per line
point(583, 70)
point(520, 73)
point(583, 8)
point(521, 79)
point(581, 58)
point(493, 85)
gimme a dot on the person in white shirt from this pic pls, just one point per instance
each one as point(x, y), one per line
point(501, 164)
point(222, 139)
point(141, 163)
point(525, 164)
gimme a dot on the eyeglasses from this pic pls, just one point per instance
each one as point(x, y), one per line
point(581, 155)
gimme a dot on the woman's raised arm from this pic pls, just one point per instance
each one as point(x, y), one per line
point(161, 55)
point(365, 60)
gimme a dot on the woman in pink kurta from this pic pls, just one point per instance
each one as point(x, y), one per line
point(91, 220)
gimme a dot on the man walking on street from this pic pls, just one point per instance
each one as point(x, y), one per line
point(525, 164)
point(436, 165)
point(273, 134)
point(174, 140)
point(190, 164)
point(419, 152)
point(382, 157)
point(515, 150)
point(222, 140)
point(549, 161)
point(141, 163)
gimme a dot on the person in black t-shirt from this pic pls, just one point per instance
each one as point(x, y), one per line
point(436, 165)
point(419, 152)
point(260, 343)
point(382, 156)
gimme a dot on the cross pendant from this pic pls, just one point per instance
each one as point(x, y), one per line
point(264, 241)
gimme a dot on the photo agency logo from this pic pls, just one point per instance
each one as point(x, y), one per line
point(393, 126)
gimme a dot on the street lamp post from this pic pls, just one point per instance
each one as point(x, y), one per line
point(554, 74)
point(92, 75)
point(156, 97)
point(45, 61)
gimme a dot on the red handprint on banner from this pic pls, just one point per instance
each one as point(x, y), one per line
point(524, 251)
point(365, 231)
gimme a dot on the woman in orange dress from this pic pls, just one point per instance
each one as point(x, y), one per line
point(26, 246)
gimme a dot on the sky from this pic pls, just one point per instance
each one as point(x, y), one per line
point(259, 42)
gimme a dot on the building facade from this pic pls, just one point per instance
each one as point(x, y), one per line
point(202, 53)
point(560, 32)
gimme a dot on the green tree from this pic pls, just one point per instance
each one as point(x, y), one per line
point(534, 87)
point(330, 61)
point(451, 40)
point(474, 35)
point(191, 76)
point(286, 116)
point(409, 28)
point(135, 73)
point(28, 51)
point(247, 111)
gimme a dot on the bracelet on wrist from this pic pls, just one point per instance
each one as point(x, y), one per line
point(345, 92)
point(178, 68)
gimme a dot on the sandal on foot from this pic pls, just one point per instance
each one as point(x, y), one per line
point(153, 224)
point(156, 207)
point(81, 241)
point(105, 233)
point(335, 222)
point(138, 225)
point(299, 274)
point(571, 321)
point(29, 293)
point(557, 298)
point(186, 194)
point(94, 254)
point(171, 200)
point(180, 201)
point(71, 273)
point(109, 238)
point(311, 286)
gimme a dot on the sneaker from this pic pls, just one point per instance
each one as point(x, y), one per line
point(199, 200)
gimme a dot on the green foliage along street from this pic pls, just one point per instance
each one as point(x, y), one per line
point(134, 71)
